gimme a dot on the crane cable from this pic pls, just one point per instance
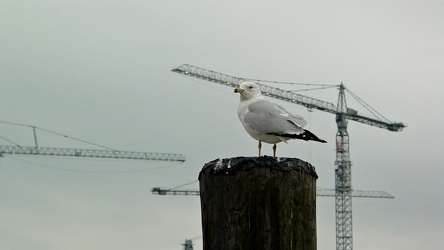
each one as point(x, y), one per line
point(293, 83)
point(55, 133)
point(367, 106)
point(327, 87)
point(315, 86)
point(6, 139)
point(183, 185)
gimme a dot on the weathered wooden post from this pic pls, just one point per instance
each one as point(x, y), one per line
point(255, 203)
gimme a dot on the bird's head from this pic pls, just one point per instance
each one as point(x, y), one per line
point(248, 90)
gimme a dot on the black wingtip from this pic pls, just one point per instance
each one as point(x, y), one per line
point(306, 136)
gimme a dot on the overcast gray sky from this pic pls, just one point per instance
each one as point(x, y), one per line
point(100, 71)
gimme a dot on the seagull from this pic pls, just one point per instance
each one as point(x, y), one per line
point(269, 122)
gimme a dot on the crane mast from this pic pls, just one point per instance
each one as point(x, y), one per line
point(343, 188)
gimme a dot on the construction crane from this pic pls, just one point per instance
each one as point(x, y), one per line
point(188, 245)
point(343, 187)
point(91, 153)
point(75, 152)
point(323, 192)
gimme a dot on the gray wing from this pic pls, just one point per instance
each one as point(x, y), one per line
point(267, 117)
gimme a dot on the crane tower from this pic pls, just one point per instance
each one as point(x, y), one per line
point(343, 188)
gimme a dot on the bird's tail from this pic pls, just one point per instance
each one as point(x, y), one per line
point(306, 136)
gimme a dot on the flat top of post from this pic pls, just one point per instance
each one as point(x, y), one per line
point(232, 165)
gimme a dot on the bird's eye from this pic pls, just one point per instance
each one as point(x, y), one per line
point(250, 87)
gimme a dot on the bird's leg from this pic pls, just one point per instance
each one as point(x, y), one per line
point(274, 150)
point(259, 146)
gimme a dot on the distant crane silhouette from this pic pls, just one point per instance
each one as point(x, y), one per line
point(188, 245)
point(323, 192)
point(109, 153)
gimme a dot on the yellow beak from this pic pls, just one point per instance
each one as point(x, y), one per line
point(238, 90)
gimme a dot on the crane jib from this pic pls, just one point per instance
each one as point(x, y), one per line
point(288, 96)
point(90, 153)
